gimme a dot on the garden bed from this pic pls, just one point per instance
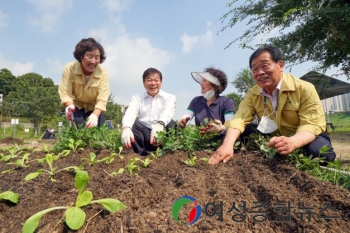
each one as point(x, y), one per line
point(150, 193)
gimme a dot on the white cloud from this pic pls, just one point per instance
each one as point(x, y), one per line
point(3, 20)
point(126, 61)
point(202, 40)
point(116, 5)
point(16, 68)
point(49, 13)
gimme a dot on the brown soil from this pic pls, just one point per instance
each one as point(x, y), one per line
point(151, 193)
point(341, 144)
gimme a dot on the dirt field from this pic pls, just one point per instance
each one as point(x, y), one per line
point(231, 196)
point(341, 144)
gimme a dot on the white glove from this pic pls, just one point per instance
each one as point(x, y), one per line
point(72, 107)
point(183, 121)
point(127, 137)
point(216, 127)
point(92, 121)
point(154, 133)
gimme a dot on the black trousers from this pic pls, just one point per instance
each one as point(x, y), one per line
point(312, 148)
point(142, 135)
point(80, 117)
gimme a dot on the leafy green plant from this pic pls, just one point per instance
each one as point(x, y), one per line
point(186, 139)
point(12, 152)
point(193, 161)
point(22, 162)
point(92, 159)
point(10, 196)
point(145, 162)
point(75, 216)
point(130, 167)
point(49, 159)
point(156, 154)
point(96, 138)
point(74, 145)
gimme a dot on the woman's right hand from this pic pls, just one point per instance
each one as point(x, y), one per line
point(183, 121)
point(68, 113)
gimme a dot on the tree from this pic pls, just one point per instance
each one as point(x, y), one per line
point(35, 98)
point(243, 82)
point(114, 111)
point(6, 81)
point(313, 30)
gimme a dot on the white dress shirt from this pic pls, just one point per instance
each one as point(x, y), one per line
point(149, 110)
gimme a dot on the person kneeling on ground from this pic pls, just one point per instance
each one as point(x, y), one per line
point(287, 107)
point(153, 109)
point(210, 106)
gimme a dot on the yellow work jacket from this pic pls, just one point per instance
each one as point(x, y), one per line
point(93, 94)
point(299, 108)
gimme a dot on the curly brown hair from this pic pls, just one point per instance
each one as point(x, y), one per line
point(88, 45)
point(221, 76)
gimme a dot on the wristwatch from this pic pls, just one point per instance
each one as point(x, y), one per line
point(161, 122)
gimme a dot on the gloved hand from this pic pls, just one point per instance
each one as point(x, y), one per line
point(154, 133)
point(72, 107)
point(127, 137)
point(92, 121)
point(183, 121)
point(216, 127)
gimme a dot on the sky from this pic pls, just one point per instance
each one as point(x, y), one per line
point(176, 37)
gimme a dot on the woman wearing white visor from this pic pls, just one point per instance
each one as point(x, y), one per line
point(210, 106)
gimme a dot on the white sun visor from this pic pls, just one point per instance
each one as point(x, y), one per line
point(198, 77)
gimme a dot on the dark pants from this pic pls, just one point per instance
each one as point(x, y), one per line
point(49, 135)
point(80, 117)
point(142, 135)
point(312, 148)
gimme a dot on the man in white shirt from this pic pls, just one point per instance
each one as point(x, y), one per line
point(148, 114)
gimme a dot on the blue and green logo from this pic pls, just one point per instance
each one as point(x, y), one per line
point(194, 214)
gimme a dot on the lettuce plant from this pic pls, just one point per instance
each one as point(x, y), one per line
point(75, 216)
point(9, 196)
point(49, 159)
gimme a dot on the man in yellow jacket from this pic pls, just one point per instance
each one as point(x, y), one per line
point(287, 107)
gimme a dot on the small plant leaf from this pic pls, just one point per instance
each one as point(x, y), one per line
point(31, 224)
point(75, 218)
point(81, 180)
point(32, 175)
point(112, 205)
point(120, 171)
point(10, 196)
point(84, 199)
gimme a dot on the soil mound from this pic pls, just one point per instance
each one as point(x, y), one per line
point(247, 194)
point(11, 141)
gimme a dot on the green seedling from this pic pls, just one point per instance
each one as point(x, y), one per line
point(193, 161)
point(13, 152)
point(22, 162)
point(49, 159)
point(74, 145)
point(9, 196)
point(75, 216)
point(145, 163)
point(156, 154)
point(93, 159)
point(130, 167)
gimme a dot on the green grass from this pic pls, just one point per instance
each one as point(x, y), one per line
point(341, 121)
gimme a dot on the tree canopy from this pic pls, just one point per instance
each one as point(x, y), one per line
point(309, 30)
point(33, 97)
point(242, 82)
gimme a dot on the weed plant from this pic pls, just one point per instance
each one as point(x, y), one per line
point(186, 139)
point(299, 159)
point(97, 138)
